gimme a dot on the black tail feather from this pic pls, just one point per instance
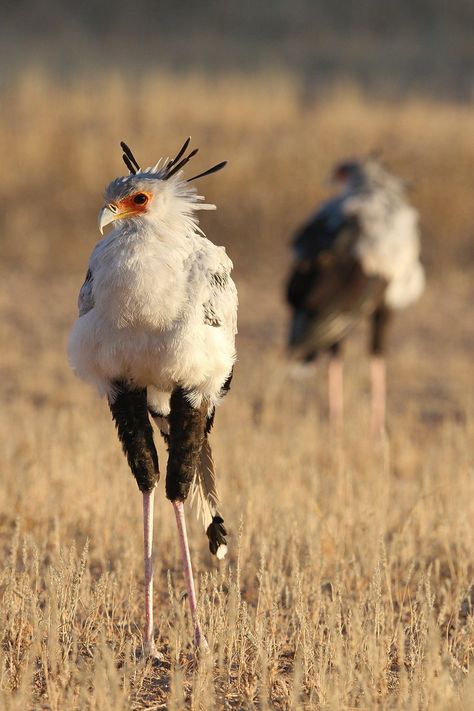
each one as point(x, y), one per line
point(216, 534)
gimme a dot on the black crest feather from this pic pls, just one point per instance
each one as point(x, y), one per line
point(173, 166)
point(181, 164)
point(129, 165)
point(129, 159)
point(179, 154)
point(209, 171)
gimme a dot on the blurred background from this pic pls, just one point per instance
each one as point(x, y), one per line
point(405, 47)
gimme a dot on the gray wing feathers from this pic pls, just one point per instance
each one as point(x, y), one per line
point(328, 299)
point(220, 304)
point(217, 282)
point(336, 317)
point(85, 300)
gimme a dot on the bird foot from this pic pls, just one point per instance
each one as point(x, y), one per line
point(200, 641)
point(151, 653)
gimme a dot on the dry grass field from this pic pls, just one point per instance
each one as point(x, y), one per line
point(350, 578)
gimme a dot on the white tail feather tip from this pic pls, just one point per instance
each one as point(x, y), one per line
point(221, 552)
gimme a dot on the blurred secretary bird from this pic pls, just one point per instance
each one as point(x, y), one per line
point(357, 257)
point(155, 334)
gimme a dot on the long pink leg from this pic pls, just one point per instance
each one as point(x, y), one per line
point(336, 392)
point(148, 505)
point(199, 638)
point(378, 385)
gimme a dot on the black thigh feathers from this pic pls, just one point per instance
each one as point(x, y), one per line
point(187, 432)
point(130, 413)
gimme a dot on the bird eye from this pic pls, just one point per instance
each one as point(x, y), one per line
point(140, 199)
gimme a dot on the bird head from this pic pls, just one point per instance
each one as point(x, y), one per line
point(147, 193)
point(365, 174)
point(348, 173)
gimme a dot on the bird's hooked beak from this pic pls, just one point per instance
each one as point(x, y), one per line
point(107, 214)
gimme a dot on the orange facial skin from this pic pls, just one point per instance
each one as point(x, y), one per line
point(129, 206)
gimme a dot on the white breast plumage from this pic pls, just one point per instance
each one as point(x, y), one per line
point(159, 307)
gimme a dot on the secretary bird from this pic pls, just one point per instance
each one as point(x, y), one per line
point(156, 336)
point(357, 257)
